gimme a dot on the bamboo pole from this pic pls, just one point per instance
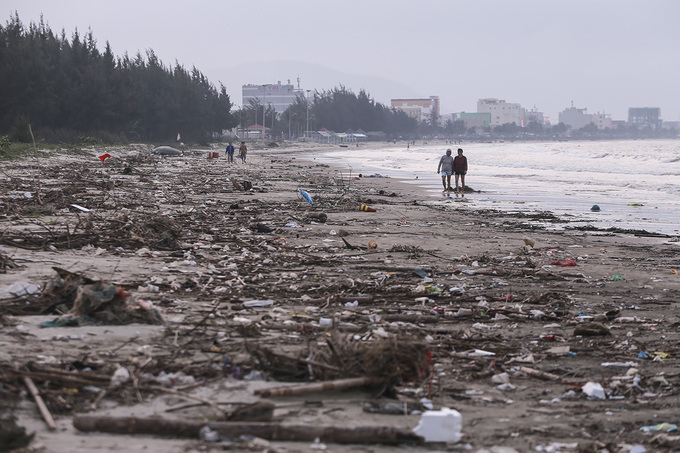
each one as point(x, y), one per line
point(44, 411)
point(35, 149)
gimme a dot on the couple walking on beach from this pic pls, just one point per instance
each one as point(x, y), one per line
point(453, 166)
point(242, 152)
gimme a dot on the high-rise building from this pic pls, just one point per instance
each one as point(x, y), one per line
point(645, 116)
point(280, 97)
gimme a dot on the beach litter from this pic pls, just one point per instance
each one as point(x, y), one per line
point(183, 297)
point(306, 196)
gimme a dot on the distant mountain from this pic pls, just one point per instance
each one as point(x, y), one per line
point(312, 77)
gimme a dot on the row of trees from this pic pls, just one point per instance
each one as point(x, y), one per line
point(67, 88)
point(338, 109)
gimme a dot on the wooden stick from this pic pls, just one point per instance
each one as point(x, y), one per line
point(44, 411)
point(265, 430)
point(540, 374)
point(35, 149)
point(323, 386)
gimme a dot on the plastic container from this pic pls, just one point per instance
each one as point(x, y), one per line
point(443, 425)
point(258, 303)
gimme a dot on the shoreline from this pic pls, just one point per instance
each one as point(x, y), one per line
point(456, 279)
point(428, 188)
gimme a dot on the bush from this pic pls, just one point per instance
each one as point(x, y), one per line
point(21, 131)
point(5, 143)
point(10, 150)
point(88, 141)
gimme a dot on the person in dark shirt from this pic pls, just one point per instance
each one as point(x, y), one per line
point(230, 153)
point(460, 168)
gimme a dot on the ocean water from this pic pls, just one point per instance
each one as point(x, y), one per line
point(635, 183)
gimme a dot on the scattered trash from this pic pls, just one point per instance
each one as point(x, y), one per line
point(258, 303)
point(567, 263)
point(618, 364)
point(318, 216)
point(80, 208)
point(306, 197)
point(365, 208)
point(21, 289)
point(443, 425)
point(617, 277)
point(166, 151)
point(421, 273)
point(104, 156)
point(121, 376)
point(557, 447)
point(207, 434)
point(594, 390)
point(318, 445)
point(592, 329)
point(665, 427)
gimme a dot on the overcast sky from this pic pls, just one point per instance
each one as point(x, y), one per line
point(603, 55)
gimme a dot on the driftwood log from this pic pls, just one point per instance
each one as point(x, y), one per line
point(264, 430)
point(323, 386)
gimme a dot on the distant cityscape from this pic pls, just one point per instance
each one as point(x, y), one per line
point(490, 112)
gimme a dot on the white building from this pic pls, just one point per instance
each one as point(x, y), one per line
point(603, 121)
point(501, 112)
point(278, 96)
point(575, 118)
point(420, 109)
point(534, 115)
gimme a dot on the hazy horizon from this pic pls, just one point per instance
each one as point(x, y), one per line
point(604, 56)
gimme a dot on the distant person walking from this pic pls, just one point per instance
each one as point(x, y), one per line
point(242, 151)
point(446, 168)
point(230, 153)
point(460, 168)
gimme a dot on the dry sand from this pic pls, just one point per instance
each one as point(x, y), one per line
point(486, 290)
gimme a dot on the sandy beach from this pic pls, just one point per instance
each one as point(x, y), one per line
point(435, 302)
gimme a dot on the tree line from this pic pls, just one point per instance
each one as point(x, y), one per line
point(71, 92)
point(66, 89)
point(338, 109)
